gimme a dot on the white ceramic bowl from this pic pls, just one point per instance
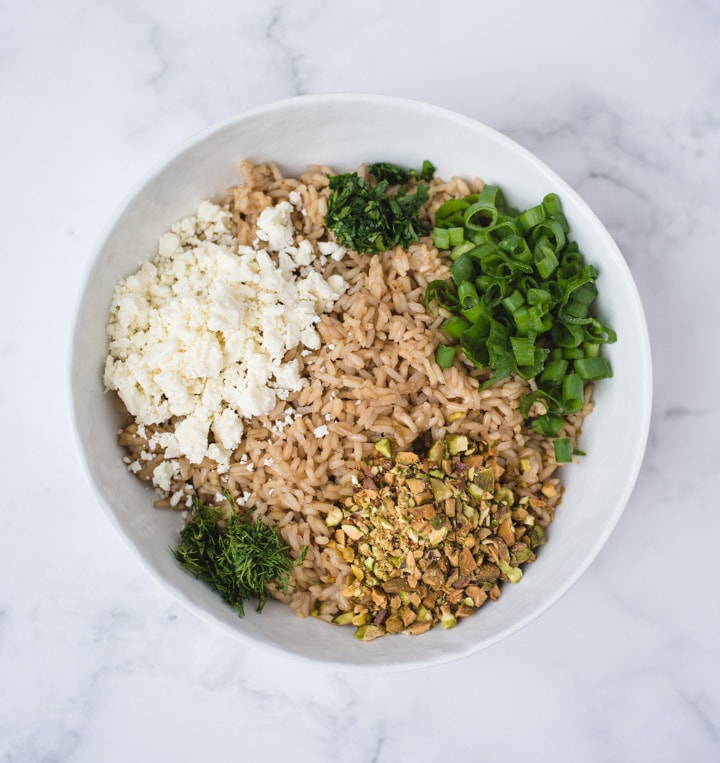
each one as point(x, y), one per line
point(343, 131)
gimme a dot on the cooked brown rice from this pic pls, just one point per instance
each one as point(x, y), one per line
point(375, 376)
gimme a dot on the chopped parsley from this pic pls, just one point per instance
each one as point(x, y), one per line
point(367, 218)
point(396, 175)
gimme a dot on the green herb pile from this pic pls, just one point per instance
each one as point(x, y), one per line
point(520, 297)
point(367, 218)
point(236, 557)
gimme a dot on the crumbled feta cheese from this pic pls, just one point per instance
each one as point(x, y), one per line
point(275, 226)
point(321, 431)
point(163, 473)
point(332, 250)
point(201, 332)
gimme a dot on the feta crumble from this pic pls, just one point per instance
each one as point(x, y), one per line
point(200, 331)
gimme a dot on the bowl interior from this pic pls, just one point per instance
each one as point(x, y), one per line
point(342, 132)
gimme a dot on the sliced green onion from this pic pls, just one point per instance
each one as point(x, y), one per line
point(552, 205)
point(474, 313)
point(521, 316)
point(545, 258)
point(573, 393)
point(591, 349)
point(484, 212)
point(456, 235)
point(563, 450)
point(567, 334)
point(440, 292)
point(454, 326)
point(445, 355)
point(441, 238)
point(539, 395)
point(465, 246)
point(462, 269)
point(531, 217)
point(554, 371)
point(514, 301)
point(450, 207)
point(467, 293)
point(548, 425)
point(520, 301)
point(593, 369)
point(523, 348)
point(531, 370)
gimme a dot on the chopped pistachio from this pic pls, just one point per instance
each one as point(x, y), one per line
point(457, 443)
point(440, 489)
point(352, 532)
point(437, 452)
point(485, 478)
point(422, 614)
point(334, 517)
point(428, 536)
point(536, 536)
point(437, 535)
point(504, 496)
point(384, 447)
point(513, 574)
point(522, 553)
point(406, 458)
point(447, 620)
point(369, 632)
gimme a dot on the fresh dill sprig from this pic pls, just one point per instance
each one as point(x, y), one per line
point(236, 557)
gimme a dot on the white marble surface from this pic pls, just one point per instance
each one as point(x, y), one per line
point(622, 99)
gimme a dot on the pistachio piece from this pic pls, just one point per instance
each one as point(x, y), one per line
point(485, 479)
point(440, 489)
point(368, 632)
point(536, 536)
point(334, 517)
point(513, 574)
point(437, 451)
point(447, 620)
point(506, 532)
point(384, 447)
point(419, 627)
point(352, 532)
point(406, 458)
point(395, 585)
point(457, 443)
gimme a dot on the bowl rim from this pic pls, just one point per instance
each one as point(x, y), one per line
point(642, 427)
